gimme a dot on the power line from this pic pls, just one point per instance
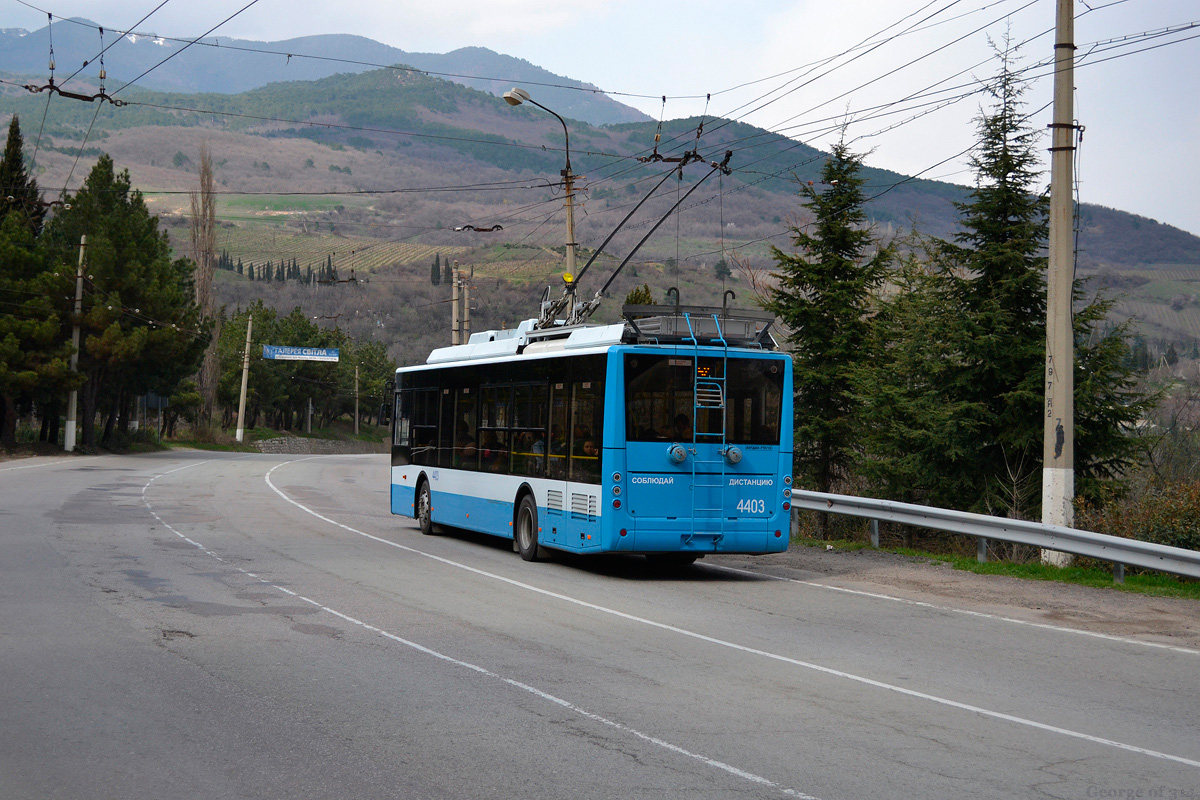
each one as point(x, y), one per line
point(122, 35)
point(186, 46)
point(356, 62)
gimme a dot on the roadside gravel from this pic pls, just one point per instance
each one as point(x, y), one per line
point(1162, 620)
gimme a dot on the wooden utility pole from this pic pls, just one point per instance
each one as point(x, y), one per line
point(73, 399)
point(1058, 443)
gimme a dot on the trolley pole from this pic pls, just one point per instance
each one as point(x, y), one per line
point(1058, 442)
point(73, 398)
point(241, 428)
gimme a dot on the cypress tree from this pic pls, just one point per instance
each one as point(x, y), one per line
point(17, 184)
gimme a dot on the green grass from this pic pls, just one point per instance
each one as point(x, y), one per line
point(1100, 576)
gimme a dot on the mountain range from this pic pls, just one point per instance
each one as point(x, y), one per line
point(321, 148)
point(231, 66)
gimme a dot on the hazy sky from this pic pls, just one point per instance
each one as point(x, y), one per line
point(1140, 109)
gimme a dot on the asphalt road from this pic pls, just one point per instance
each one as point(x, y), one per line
point(196, 625)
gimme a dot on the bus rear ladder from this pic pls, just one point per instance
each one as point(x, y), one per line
point(709, 392)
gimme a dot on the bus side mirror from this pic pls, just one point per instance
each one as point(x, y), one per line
point(385, 413)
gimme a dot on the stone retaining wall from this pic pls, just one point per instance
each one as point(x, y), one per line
point(298, 445)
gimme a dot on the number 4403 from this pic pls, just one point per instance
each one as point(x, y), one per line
point(752, 506)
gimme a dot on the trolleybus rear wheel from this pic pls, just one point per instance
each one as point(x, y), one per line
point(527, 529)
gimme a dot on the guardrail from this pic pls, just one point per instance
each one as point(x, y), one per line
point(1119, 551)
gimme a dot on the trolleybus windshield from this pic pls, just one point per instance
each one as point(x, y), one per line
point(661, 398)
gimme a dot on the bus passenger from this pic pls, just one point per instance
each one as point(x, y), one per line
point(683, 428)
point(490, 454)
point(464, 452)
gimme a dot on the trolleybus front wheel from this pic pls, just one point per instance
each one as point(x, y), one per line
point(527, 529)
point(424, 513)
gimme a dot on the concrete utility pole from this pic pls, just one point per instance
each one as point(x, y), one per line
point(454, 305)
point(73, 400)
point(241, 428)
point(465, 335)
point(356, 399)
point(1058, 450)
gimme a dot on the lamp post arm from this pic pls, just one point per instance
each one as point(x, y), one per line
point(566, 133)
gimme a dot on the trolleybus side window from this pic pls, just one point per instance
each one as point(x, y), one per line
point(465, 445)
point(445, 427)
point(587, 416)
point(494, 420)
point(424, 426)
point(529, 429)
point(558, 445)
point(402, 426)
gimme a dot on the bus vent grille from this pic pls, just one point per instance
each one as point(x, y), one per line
point(583, 506)
point(554, 500)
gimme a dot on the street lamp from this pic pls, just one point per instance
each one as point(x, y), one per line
point(515, 97)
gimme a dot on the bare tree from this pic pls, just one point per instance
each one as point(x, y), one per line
point(204, 247)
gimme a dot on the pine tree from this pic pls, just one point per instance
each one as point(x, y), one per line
point(142, 329)
point(823, 298)
point(435, 270)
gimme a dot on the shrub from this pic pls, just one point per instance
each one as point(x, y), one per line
point(1167, 513)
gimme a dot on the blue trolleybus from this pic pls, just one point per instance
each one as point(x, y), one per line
point(668, 435)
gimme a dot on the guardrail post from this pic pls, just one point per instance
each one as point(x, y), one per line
point(794, 523)
point(981, 550)
point(1118, 573)
point(875, 533)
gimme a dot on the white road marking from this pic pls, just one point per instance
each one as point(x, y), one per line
point(967, 612)
point(56, 462)
point(742, 648)
point(712, 762)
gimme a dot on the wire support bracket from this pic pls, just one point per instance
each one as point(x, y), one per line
point(102, 96)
